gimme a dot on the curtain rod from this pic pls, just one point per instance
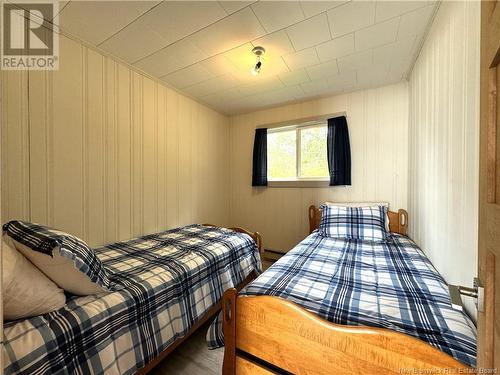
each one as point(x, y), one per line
point(301, 120)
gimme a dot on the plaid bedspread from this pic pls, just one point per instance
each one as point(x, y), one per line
point(162, 285)
point(390, 285)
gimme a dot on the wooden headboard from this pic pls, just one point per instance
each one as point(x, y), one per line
point(398, 221)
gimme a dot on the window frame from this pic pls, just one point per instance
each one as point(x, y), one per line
point(298, 181)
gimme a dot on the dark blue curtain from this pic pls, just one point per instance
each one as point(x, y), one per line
point(339, 152)
point(259, 171)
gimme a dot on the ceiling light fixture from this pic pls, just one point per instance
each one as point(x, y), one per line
point(258, 52)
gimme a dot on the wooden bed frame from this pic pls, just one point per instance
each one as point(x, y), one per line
point(269, 335)
point(210, 313)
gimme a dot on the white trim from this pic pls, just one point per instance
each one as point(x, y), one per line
point(298, 152)
point(304, 120)
point(298, 183)
point(304, 125)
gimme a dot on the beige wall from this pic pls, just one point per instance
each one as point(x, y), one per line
point(378, 128)
point(443, 153)
point(106, 153)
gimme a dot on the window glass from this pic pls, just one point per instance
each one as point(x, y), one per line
point(281, 154)
point(313, 155)
point(305, 145)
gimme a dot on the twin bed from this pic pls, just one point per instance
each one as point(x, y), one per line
point(164, 286)
point(339, 306)
point(327, 306)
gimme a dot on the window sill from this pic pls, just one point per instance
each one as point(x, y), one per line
point(299, 184)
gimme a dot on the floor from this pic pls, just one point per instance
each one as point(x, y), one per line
point(192, 357)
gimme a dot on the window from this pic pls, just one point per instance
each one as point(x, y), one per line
point(297, 153)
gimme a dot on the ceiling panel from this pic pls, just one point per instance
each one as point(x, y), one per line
point(134, 42)
point(377, 35)
point(204, 48)
point(312, 8)
point(278, 42)
point(343, 81)
point(230, 32)
point(350, 17)
point(358, 60)
point(372, 76)
point(282, 95)
point(188, 76)
point(95, 21)
point(219, 65)
point(330, 86)
point(389, 9)
point(310, 32)
point(174, 20)
point(174, 57)
point(222, 98)
point(302, 58)
point(416, 22)
point(316, 87)
point(294, 77)
point(261, 86)
point(275, 15)
point(323, 70)
point(337, 47)
point(233, 6)
point(167, 23)
point(212, 85)
point(399, 51)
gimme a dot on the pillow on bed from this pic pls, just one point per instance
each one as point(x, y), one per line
point(65, 259)
point(26, 291)
point(353, 223)
point(364, 204)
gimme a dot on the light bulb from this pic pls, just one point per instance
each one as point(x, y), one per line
point(258, 52)
point(256, 68)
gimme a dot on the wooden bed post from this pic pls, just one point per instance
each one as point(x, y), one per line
point(229, 328)
point(314, 218)
point(255, 236)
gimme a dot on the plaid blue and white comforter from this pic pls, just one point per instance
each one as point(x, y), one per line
point(162, 285)
point(390, 285)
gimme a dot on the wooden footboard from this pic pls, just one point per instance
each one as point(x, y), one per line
point(269, 335)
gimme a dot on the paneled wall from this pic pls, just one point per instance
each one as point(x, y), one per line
point(378, 128)
point(107, 153)
point(444, 131)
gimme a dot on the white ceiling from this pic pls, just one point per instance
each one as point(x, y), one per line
point(203, 48)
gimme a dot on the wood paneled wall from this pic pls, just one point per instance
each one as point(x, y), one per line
point(107, 153)
point(444, 143)
point(378, 129)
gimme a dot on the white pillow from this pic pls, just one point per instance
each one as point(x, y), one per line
point(65, 259)
point(363, 204)
point(26, 291)
point(60, 270)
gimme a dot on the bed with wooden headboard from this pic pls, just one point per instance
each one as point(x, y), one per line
point(267, 335)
